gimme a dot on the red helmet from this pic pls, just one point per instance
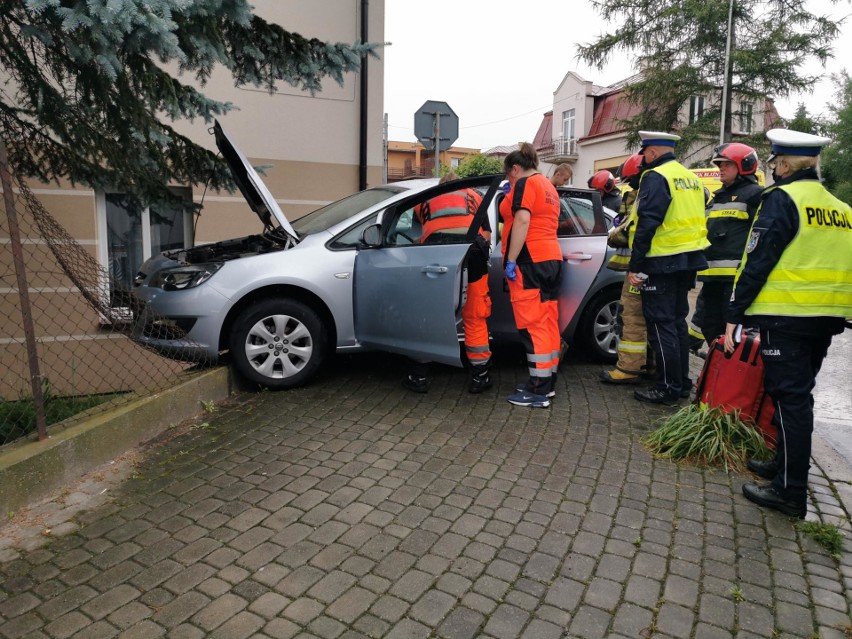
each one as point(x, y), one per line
point(742, 155)
point(602, 181)
point(630, 167)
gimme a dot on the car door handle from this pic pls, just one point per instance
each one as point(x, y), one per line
point(577, 256)
point(434, 269)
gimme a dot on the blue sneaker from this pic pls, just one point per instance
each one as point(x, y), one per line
point(522, 388)
point(525, 398)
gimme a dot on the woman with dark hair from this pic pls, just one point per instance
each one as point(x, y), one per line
point(532, 261)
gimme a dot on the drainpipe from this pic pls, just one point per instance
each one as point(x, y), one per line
point(362, 155)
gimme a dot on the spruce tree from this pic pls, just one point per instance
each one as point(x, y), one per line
point(679, 47)
point(89, 89)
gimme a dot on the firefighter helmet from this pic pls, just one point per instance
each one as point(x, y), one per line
point(742, 155)
point(631, 167)
point(602, 181)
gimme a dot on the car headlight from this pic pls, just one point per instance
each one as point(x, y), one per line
point(183, 277)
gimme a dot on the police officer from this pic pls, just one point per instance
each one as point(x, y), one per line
point(668, 249)
point(604, 183)
point(729, 219)
point(795, 283)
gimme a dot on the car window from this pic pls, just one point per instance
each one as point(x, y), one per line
point(577, 216)
point(351, 238)
point(331, 214)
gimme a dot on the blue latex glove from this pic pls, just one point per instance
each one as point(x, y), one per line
point(511, 267)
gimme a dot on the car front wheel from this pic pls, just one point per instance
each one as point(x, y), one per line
point(278, 343)
point(599, 331)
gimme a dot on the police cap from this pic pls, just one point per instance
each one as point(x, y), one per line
point(657, 138)
point(787, 142)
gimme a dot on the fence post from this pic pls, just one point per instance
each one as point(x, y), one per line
point(23, 293)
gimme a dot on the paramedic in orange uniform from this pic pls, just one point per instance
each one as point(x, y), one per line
point(532, 261)
point(454, 211)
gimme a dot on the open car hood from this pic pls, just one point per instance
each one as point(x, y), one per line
point(251, 186)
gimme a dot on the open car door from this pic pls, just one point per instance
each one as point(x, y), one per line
point(409, 284)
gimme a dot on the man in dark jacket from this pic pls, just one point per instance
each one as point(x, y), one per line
point(668, 249)
point(729, 219)
point(795, 283)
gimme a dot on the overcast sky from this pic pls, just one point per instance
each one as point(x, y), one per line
point(498, 62)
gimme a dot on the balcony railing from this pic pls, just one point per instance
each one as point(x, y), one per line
point(397, 174)
point(561, 150)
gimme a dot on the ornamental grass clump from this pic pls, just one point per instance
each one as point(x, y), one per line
point(707, 436)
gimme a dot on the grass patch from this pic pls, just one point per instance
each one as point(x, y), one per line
point(707, 437)
point(826, 535)
point(18, 418)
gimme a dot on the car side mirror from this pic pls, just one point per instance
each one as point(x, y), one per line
point(372, 236)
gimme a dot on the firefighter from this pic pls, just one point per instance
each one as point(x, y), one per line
point(453, 211)
point(604, 183)
point(729, 219)
point(795, 283)
point(667, 251)
point(532, 260)
point(632, 342)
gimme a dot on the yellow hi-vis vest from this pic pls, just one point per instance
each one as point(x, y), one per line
point(813, 277)
point(684, 228)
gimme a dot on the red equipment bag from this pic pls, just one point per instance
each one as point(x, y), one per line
point(735, 381)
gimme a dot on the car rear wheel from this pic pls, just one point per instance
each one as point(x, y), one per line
point(278, 343)
point(598, 331)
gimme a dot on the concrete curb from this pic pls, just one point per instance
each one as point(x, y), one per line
point(30, 470)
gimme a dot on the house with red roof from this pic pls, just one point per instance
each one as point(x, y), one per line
point(586, 128)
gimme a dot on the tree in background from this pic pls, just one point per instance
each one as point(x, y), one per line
point(836, 160)
point(805, 122)
point(680, 50)
point(95, 85)
point(479, 164)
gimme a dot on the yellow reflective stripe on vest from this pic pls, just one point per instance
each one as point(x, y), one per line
point(684, 227)
point(734, 210)
point(813, 276)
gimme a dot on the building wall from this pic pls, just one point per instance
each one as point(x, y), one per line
point(308, 144)
point(411, 159)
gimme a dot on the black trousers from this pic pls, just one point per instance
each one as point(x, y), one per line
point(665, 305)
point(793, 350)
point(710, 307)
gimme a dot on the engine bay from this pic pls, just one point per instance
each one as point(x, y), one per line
point(267, 242)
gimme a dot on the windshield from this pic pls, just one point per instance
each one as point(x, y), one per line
point(324, 218)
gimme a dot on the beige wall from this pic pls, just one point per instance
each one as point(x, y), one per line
point(311, 147)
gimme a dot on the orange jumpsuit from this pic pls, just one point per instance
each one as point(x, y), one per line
point(535, 291)
point(455, 210)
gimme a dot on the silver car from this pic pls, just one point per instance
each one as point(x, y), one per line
point(353, 275)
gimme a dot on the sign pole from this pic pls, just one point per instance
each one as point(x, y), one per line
point(437, 143)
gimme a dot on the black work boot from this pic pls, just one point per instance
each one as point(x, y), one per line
point(765, 468)
point(657, 396)
point(416, 383)
point(769, 496)
point(480, 379)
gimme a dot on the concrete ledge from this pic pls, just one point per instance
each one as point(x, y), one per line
point(30, 470)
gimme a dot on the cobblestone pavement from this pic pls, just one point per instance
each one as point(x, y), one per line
point(353, 508)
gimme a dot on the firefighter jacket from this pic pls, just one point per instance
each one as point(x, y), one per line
point(798, 259)
point(729, 220)
point(671, 233)
point(620, 236)
point(612, 200)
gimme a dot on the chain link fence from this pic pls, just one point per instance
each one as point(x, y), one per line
point(67, 326)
